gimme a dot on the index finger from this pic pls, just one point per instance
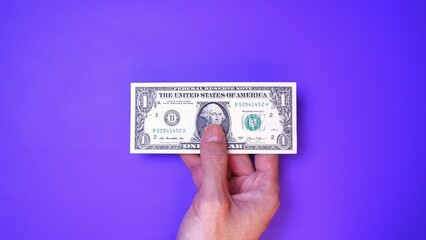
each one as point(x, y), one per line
point(192, 161)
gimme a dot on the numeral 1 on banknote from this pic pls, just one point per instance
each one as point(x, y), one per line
point(255, 117)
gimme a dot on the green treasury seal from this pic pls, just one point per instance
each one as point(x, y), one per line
point(252, 122)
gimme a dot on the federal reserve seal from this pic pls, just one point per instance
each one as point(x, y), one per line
point(252, 122)
point(171, 117)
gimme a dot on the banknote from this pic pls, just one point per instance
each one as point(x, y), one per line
point(256, 117)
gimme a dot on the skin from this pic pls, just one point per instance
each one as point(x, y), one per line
point(234, 199)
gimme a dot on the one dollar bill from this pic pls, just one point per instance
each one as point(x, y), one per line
point(256, 117)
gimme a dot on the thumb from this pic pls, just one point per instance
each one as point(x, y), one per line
point(214, 162)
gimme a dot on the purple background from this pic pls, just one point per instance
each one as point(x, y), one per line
point(66, 68)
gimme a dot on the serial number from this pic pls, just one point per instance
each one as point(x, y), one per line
point(169, 130)
point(251, 104)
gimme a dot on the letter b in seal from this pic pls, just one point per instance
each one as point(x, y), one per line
point(172, 117)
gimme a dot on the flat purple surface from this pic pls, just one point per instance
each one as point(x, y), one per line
point(66, 68)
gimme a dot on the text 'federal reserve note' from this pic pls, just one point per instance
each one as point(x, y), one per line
point(256, 117)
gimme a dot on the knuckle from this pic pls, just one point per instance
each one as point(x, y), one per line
point(273, 198)
point(212, 147)
point(214, 155)
point(218, 157)
point(278, 202)
point(208, 206)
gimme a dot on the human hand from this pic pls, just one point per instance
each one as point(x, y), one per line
point(234, 199)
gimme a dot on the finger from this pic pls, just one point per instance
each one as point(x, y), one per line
point(267, 165)
point(214, 161)
point(192, 161)
point(267, 171)
point(240, 164)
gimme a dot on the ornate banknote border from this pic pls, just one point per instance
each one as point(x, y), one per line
point(281, 98)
